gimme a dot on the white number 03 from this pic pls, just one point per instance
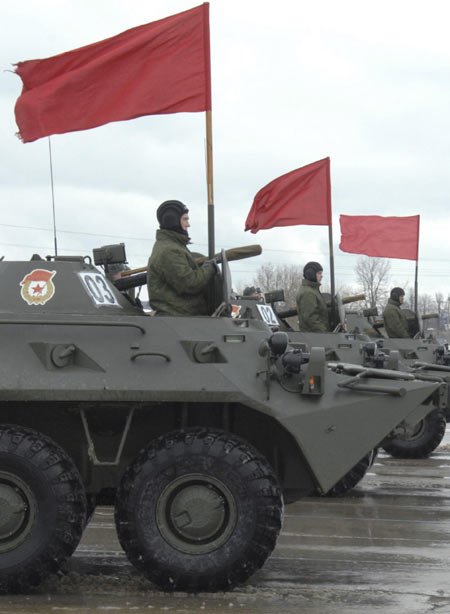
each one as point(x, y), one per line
point(98, 289)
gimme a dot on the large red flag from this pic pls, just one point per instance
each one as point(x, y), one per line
point(160, 67)
point(302, 196)
point(381, 237)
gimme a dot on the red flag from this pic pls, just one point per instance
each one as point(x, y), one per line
point(381, 237)
point(160, 67)
point(302, 196)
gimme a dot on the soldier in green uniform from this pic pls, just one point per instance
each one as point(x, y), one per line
point(395, 321)
point(311, 306)
point(176, 283)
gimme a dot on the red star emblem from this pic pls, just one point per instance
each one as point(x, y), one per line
point(37, 289)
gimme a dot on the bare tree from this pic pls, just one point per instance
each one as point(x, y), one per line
point(439, 298)
point(373, 275)
point(285, 277)
point(410, 298)
point(425, 304)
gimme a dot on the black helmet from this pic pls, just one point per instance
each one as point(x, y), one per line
point(311, 269)
point(249, 291)
point(396, 293)
point(169, 214)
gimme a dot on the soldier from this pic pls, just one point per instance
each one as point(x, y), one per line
point(176, 283)
point(395, 321)
point(311, 306)
point(251, 291)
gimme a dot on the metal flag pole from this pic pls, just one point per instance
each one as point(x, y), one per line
point(332, 286)
point(416, 286)
point(330, 240)
point(53, 196)
point(209, 149)
point(416, 282)
point(209, 183)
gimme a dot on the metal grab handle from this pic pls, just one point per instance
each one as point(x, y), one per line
point(71, 323)
point(160, 354)
point(387, 374)
point(355, 383)
point(361, 371)
point(431, 378)
point(208, 349)
point(218, 312)
point(70, 349)
point(429, 365)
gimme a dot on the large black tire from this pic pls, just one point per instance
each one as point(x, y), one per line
point(42, 508)
point(355, 475)
point(198, 510)
point(426, 438)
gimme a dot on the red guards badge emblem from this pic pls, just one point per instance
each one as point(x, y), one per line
point(235, 311)
point(37, 287)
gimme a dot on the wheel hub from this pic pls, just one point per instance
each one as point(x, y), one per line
point(419, 428)
point(196, 513)
point(17, 511)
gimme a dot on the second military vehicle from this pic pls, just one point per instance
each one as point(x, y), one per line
point(366, 345)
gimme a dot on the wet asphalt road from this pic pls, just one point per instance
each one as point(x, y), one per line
point(383, 548)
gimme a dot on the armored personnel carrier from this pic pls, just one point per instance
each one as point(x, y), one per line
point(358, 338)
point(425, 354)
point(202, 426)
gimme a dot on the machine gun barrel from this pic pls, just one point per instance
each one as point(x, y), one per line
point(353, 299)
point(430, 316)
point(138, 277)
point(288, 313)
point(132, 281)
point(235, 253)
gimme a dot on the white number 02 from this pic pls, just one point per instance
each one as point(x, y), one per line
point(268, 315)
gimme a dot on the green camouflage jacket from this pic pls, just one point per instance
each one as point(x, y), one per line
point(395, 321)
point(176, 283)
point(312, 308)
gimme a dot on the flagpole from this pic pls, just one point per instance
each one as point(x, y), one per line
point(332, 286)
point(416, 282)
point(53, 196)
point(209, 184)
point(416, 287)
point(330, 239)
point(209, 147)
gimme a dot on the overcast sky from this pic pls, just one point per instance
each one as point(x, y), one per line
point(366, 84)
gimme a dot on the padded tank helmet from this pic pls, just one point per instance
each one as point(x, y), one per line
point(311, 269)
point(169, 214)
point(396, 293)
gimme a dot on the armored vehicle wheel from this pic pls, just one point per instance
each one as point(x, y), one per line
point(355, 475)
point(42, 507)
point(427, 436)
point(198, 510)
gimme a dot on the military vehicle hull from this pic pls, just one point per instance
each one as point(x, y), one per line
point(201, 426)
